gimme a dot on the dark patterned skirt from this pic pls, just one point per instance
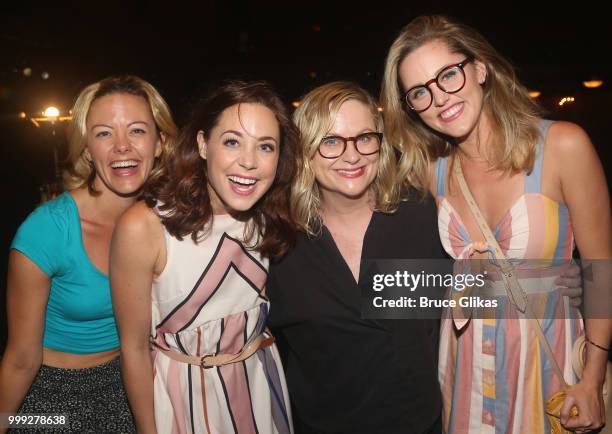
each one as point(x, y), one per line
point(92, 399)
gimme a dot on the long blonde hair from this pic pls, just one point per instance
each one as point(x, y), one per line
point(314, 118)
point(513, 114)
point(81, 171)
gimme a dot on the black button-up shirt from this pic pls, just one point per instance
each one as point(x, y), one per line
point(347, 374)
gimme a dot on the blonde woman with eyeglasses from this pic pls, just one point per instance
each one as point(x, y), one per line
point(452, 102)
point(346, 373)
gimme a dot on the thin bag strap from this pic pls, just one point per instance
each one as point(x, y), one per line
point(517, 295)
point(513, 288)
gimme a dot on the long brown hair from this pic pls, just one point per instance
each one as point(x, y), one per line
point(182, 189)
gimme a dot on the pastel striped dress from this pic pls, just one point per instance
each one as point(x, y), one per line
point(494, 374)
point(210, 299)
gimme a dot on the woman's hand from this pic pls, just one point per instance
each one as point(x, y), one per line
point(587, 397)
point(570, 284)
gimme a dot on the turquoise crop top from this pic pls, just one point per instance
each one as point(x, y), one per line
point(79, 317)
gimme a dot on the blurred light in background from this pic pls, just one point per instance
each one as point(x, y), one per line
point(566, 100)
point(51, 112)
point(592, 84)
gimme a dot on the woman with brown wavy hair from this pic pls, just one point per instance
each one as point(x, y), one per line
point(189, 268)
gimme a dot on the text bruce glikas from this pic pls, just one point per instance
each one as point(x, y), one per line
point(412, 281)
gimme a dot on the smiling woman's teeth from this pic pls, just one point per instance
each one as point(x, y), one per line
point(243, 181)
point(124, 164)
point(451, 111)
point(349, 171)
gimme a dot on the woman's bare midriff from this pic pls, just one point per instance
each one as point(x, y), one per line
point(60, 359)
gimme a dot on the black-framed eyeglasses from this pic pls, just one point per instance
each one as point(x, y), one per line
point(450, 80)
point(365, 143)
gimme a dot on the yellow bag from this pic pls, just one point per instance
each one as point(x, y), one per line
point(553, 412)
point(555, 402)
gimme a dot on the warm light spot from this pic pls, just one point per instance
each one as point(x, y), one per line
point(22, 115)
point(566, 100)
point(534, 93)
point(51, 112)
point(380, 109)
point(295, 104)
point(592, 84)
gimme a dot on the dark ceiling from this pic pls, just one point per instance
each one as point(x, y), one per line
point(181, 46)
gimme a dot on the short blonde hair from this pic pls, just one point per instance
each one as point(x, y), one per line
point(80, 170)
point(514, 115)
point(314, 118)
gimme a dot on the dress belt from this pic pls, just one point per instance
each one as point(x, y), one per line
point(210, 360)
point(534, 285)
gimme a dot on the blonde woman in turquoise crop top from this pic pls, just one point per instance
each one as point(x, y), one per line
point(79, 316)
point(62, 351)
